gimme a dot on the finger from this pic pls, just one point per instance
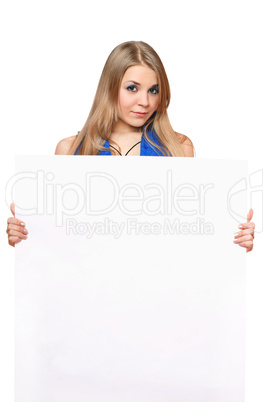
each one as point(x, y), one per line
point(249, 247)
point(12, 208)
point(247, 225)
point(244, 232)
point(13, 240)
point(15, 221)
point(17, 228)
point(15, 233)
point(247, 244)
point(243, 239)
point(250, 215)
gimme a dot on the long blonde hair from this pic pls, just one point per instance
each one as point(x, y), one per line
point(104, 110)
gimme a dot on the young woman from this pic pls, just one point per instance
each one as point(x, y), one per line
point(129, 117)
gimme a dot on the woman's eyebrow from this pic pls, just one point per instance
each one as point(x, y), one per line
point(137, 83)
point(133, 82)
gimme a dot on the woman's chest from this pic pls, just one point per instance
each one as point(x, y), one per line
point(128, 146)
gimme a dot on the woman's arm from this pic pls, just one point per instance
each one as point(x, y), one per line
point(244, 238)
point(186, 145)
point(16, 230)
point(64, 145)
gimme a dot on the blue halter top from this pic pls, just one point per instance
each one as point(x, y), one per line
point(146, 148)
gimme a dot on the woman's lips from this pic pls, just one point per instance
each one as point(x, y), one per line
point(139, 114)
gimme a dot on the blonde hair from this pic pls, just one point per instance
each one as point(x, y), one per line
point(104, 110)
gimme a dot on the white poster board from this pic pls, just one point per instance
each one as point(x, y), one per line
point(129, 286)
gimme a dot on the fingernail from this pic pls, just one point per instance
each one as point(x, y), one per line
point(22, 224)
point(240, 226)
point(25, 231)
point(236, 234)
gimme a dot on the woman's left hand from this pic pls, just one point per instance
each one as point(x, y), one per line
point(244, 238)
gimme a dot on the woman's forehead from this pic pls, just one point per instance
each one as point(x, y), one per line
point(141, 74)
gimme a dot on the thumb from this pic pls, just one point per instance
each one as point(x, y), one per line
point(250, 215)
point(12, 208)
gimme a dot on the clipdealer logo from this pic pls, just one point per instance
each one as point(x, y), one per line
point(101, 195)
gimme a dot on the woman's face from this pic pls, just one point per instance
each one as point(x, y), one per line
point(138, 95)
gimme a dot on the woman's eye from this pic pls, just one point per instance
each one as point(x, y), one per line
point(132, 88)
point(154, 90)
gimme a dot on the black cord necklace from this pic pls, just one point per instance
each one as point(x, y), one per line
point(127, 151)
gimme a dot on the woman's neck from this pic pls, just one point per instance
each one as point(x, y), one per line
point(122, 128)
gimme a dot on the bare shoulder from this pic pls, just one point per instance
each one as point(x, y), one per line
point(186, 144)
point(64, 145)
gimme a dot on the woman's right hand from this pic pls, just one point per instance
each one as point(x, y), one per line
point(16, 230)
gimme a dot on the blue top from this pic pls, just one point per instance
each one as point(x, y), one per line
point(146, 148)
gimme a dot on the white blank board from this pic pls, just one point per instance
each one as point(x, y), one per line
point(129, 286)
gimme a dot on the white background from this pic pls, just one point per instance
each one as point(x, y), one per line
point(215, 55)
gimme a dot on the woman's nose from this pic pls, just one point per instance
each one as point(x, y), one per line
point(143, 99)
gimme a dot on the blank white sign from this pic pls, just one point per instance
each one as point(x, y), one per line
point(129, 286)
